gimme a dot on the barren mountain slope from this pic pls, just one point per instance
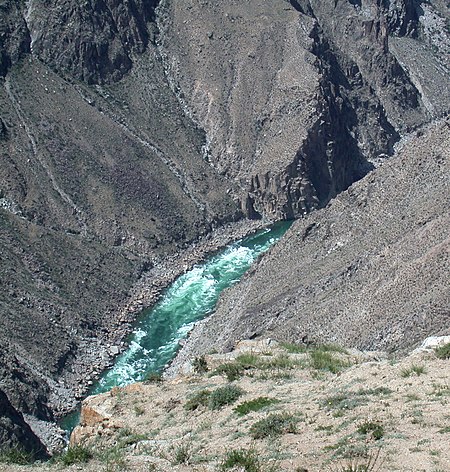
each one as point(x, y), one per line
point(97, 184)
point(294, 100)
point(370, 270)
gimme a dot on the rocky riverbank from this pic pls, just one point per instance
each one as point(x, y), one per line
point(97, 355)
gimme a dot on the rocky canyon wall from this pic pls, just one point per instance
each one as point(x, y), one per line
point(128, 129)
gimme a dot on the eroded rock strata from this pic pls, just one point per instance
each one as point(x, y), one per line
point(128, 130)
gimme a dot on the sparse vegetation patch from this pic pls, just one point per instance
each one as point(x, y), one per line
point(200, 365)
point(16, 455)
point(351, 400)
point(293, 348)
point(371, 463)
point(182, 454)
point(225, 395)
point(232, 371)
point(323, 359)
point(245, 459)
point(332, 423)
point(374, 428)
point(254, 405)
point(413, 370)
point(443, 352)
point(200, 398)
point(153, 377)
point(247, 363)
point(75, 455)
point(274, 424)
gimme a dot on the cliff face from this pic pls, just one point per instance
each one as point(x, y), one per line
point(14, 34)
point(14, 430)
point(99, 37)
point(295, 100)
point(130, 129)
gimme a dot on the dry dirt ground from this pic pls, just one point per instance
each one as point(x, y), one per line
point(392, 413)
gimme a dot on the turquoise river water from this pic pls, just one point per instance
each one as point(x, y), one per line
point(192, 296)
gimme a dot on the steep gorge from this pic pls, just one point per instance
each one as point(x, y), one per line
point(127, 133)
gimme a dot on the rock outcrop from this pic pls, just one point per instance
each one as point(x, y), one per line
point(14, 34)
point(99, 37)
point(14, 430)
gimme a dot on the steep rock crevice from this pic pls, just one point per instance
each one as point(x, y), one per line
point(361, 35)
point(24, 386)
point(350, 128)
point(366, 101)
point(403, 16)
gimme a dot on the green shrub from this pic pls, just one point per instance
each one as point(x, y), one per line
point(114, 459)
point(294, 348)
point(248, 360)
point(247, 459)
point(443, 352)
point(281, 361)
point(200, 398)
point(373, 427)
point(254, 405)
point(182, 454)
point(75, 455)
point(414, 369)
point(200, 365)
point(128, 438)
point(232, 371)
point(322, 360)
point(350, 400)
point(330, 348)
point(274, 424)
point(153, 377)
point(225, 395)
point(344, 401)
point(15, 455)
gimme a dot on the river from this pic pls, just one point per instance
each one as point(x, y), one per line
point(192, 296)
